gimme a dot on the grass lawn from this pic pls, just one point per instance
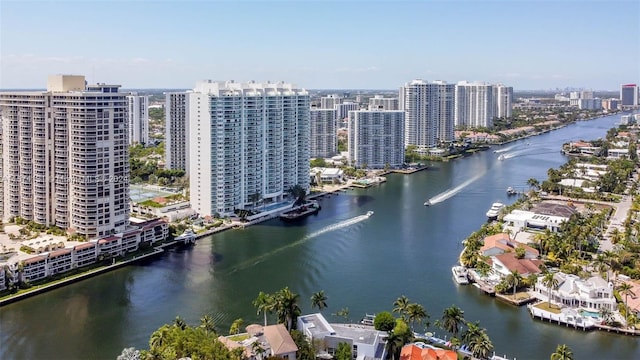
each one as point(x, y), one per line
point(239, 338)
point(545, 306)
point(520, 295)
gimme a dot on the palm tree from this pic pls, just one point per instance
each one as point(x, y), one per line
point(550, 282)
point(206, 323)
point(606, 315)
point(416, 312)
point(178, 322)
point(481, 346)
point(626, 289)
point(286, 306)
point(319, 300)
point(515, 279)
point(400, 306)
point(533, 183)
point(265, 304)
point(393, 345)
point(473, 330)
point(452, 318)
point(235, 326)
point(257, 349)
point(563, 352)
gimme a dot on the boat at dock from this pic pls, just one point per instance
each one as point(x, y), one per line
point(301, 212)
point(187, 237)
point(494, 211)
point(460, 275)
point(368, 320)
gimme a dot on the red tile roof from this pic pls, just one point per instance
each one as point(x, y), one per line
point(34, 259)
point(522, 266)
point(503, 241)
point(84, 246)
point(60, 252)
point(414, 352)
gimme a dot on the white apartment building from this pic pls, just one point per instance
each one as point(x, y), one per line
point(376, 138)
point(246, 139)
point(138, 119)
point(503, 97)
point(330, 101)
point(65, 156)
point(342, 109)
point(474, 105)
point(380, 102)
point(429, 108)
point(324, 133)
point(590, 104)
point(176, 139)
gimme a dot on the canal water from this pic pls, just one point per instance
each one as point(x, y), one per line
point(362, 264)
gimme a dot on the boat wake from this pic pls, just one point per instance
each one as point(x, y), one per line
point(449, 193)
point(505, 149)
point(258, 259)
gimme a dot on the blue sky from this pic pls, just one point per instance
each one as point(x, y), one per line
point(322, 44)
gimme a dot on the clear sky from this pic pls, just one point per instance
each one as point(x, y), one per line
point(364, 44)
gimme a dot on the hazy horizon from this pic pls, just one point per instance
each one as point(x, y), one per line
point(322, 44)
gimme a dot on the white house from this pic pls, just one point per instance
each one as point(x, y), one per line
point(521, 219)
point(365, 341)
point(592, 294)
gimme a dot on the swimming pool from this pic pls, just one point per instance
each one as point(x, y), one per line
point(591, 314)
point(273, 206)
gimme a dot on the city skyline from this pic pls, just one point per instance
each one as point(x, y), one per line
point(322, 44)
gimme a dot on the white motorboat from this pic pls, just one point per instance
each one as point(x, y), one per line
point(511, 191)
point(188, 236)
point(427, 203)
point(501, 157)
point(369, 213)
point(460, 275)
point(495, 210)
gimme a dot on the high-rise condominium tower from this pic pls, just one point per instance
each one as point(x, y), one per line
point(379, 102)
point(429, 108)
point(138, 119)
point(176, 139)
point(324, 133)
point(376, 138)
point(503, 97)
point(65, 156)
point(474, 105)
point(248, 141)
point(629, 95)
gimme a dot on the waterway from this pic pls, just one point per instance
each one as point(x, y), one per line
point(362, 264)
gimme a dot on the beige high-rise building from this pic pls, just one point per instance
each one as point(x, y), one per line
point(65, 156)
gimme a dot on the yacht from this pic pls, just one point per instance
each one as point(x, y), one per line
point(187, 237)
point(495, 210)
point(460, 275)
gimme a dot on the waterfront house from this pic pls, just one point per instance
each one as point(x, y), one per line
point(507, 263)
point(422, 351)
point(633, 300)
point(275, 340)
point(522, 220)
point(365, 341)
point(591, 294)
point(280, 343)
point(502, 243)
point(614, 154)
point(582, 148)
point(60, 261)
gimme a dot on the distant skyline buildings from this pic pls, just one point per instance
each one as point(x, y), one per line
point(138, 113)
point(26, 56)
point(629, 95)
point(323, 125)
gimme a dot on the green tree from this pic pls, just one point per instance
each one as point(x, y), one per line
point(551, 283)
point(343, 313)
point(400, 306)
point(416, 313)
point(563, 352)
point(625, 289)
point(343, 352)
point(306, 349)
point(236, 326)
point(206, 323)
point(265, 304)
point(452, 319)
point(298, 193)
point(319, 300)
point(399, 336)
point(286, 307)
point(514, 279)
point(384, 321)
point(533, 183)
